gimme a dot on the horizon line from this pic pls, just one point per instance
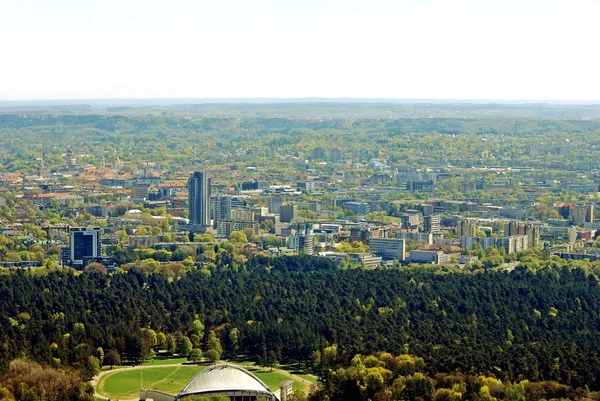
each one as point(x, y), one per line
point(308, 99)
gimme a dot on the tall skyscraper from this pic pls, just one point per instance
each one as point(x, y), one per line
point(199, 200)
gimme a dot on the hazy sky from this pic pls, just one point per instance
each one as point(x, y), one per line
point(463, 49)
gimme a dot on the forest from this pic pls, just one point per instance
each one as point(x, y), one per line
point(536, 325)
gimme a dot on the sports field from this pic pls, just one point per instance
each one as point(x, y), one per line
point(125, 384)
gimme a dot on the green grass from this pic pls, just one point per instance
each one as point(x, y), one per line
point(309, 378)
point(127, 383)
point(162, 360)
point(271, 379)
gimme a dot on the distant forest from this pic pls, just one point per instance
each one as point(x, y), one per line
point(524, 324)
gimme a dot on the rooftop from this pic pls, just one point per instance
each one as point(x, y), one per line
point(223, 378)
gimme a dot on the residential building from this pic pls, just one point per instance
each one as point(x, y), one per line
point(364, 234)
point(139, 191)
point(532, 232)
point(432, 223)
point(318, 153)
point(313, 206)
point(239, 214)
point(305, 186)
point(143, 241)
point(420, 186)
point(97, 210)
point(226, 227)
point(424, 238)
point(288, 213)
point(466, 228)
point(221, 209)
point(274, 204)
point(409, 220)
point(359, 208)
point(335, 155)
point(301, 243)
point(558, 234)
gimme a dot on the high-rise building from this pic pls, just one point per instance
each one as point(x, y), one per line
point(335, 155)
point(466, 228)
point(199, 200)
point(139, 191)
point(302, 243)
point(364, 234)
point(288, 213)
point(318, 153)
point(85, 242)
point(221, 209)
point(432, 223)
point(274, 204)
point(531, 231)
point(581, 214)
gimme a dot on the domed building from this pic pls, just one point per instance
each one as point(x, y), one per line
point(226, 380)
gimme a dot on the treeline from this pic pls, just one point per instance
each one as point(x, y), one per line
point(536, 325)
point(386, 377)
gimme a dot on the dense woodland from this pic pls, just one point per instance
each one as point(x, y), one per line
point(538, 325)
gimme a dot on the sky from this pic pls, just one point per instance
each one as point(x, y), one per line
point(401, 49)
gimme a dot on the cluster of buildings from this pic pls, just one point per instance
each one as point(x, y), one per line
point(281, 206)
point(421, 230)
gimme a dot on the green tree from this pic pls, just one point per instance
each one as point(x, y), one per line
point(195, 355)
point(161, 341)
point(184, 346)
point(238, 237)
point(112, 358)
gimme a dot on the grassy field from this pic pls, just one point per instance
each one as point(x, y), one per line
point(125, 384)
point(309, 378)
point(163, 360)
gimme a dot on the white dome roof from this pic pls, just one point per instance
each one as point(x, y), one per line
point(224, 378)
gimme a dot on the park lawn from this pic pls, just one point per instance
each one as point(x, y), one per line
point(259, 371)
point(162, 360)
point(274, 378)
point(126, 383)
point(309, 378)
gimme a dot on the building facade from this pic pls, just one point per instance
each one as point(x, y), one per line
point(199, 200)
point(85, 242)
point(388, 248)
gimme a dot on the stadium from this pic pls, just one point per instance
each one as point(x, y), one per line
point(223, 379)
